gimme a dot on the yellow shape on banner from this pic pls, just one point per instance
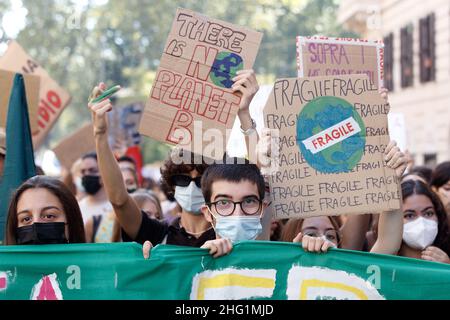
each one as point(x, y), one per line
point(307, 284)
point(228, 280)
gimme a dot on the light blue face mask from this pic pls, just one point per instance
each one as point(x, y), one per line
point(190, 198)
point(238, 228)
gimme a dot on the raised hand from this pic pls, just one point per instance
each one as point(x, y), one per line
point(395, 159)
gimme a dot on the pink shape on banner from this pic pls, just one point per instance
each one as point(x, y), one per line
point(46, 292)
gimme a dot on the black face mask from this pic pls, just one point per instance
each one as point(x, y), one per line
point(91, 184)
point(130, 191)
point(42, 233)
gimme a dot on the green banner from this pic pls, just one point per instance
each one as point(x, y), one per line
point(253, 270)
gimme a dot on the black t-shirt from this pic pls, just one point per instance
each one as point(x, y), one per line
point(156, 231)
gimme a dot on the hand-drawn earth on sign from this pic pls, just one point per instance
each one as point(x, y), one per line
point(331, 135)
point(224, 69)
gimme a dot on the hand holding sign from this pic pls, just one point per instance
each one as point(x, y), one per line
point(395, 159)
point(245, 82)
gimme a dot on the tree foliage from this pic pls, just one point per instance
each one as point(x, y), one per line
point(121, 42)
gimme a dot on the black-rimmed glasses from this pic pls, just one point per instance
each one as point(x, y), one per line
point(225, 207)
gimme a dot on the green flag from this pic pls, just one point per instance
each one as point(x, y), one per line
point(19, 162)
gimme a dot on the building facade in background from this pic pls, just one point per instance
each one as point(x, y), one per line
point(417, 66)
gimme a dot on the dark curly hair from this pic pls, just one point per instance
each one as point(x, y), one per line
point(180, 162)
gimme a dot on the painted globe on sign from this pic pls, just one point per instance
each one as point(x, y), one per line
point(224, 69)
point(321, 114)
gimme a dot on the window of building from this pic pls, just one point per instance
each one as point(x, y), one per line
point(407, 56)
point(427, 48)
point(430, 160)
point(389, 62)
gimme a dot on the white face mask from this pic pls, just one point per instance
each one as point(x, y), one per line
point(420, 233)
point(190, 198)
point(238, 228)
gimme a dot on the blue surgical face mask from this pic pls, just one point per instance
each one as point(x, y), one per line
point(238, 228)
point(190, 198)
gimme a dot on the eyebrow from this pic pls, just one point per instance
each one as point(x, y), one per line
point(230, 197)
point(314, 228)
point(425, 209)
point(43, 209)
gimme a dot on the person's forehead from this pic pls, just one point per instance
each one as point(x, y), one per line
point(320, 223)
point(417, 202)
point(89, 163)
point(236, 190)
point(37, 198)
point(124, 164)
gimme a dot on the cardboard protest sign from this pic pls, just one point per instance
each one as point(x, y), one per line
point(332, 133)
point(192, 91)
point(32, 90)
point(75, 146)
point(53, 99)
point(323, 56)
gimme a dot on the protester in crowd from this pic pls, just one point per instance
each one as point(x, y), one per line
point(96, 201)
point(43, 211)
point(77, 177)
point(327, 228)
point(426, 230)
point(127, 162)
point(234, 204)
point(131, 179)
point(440, 183)
point(183, 178)
point(149, 203)
point(422, 173)
point(170, 208)
point(102, 228)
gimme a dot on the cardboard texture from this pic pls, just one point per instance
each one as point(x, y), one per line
point(193, 82)
point(32, 84)
point(75, 146)
point(332, 135)
point(52, 98)
point(323, 56)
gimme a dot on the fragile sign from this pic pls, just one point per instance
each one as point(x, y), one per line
point(332, 133)
point(52, 98)
point(324, 56)
point(192, 91)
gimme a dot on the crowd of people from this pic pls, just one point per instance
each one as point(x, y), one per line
point(213, 206)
